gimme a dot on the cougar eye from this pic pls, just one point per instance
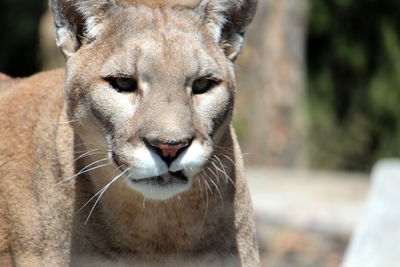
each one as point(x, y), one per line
point(204, 84)
point(123, 84)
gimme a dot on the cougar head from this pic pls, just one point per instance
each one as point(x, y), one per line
point(153, 82)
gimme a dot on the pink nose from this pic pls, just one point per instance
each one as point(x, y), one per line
point(170, 151)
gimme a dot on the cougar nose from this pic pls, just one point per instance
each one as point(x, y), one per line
point(169, 150)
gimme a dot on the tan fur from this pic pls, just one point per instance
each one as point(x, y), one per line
point(50, 119)
point(4, 77)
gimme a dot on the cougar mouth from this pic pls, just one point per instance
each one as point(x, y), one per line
point(168, 178)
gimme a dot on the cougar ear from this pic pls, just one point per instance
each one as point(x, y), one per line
point(77, 20)
point(227, 20)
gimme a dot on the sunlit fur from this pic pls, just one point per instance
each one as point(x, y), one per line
point(73, 147)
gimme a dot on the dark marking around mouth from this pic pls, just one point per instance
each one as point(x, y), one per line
point(168, 178)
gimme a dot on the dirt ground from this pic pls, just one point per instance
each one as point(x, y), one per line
point(284, 246)
point(304, 218)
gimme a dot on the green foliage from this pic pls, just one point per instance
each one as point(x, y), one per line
point(354, 82)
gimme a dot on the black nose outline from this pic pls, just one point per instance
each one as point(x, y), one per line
point(158, 145)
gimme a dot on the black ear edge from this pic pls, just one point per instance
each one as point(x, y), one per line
point(75, 20)
point(234, 27)
point(69, 24)
point(67, 15)
point(227, 21)
point(238, 18)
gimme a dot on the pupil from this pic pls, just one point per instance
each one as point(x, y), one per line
point(203, 84)
point(124, 83)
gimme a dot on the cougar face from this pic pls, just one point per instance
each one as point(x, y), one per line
point(157, 96)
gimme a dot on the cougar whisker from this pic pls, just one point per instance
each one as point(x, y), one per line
point(216, 187)
point(63, 122)
point(102, 192)
point(85, 170)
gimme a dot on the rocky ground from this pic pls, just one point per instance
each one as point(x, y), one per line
point(283, 246)
point(305, 219)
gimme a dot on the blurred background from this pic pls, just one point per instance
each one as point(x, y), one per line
point(317, 106)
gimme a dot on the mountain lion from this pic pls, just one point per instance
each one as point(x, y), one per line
point(128, 157)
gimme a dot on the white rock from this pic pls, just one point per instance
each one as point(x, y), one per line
point(376, 241)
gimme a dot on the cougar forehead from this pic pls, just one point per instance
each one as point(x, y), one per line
point(161, 56)
point(170, 40)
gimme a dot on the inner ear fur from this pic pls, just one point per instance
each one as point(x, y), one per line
point(228, 20)
point(77, 20)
